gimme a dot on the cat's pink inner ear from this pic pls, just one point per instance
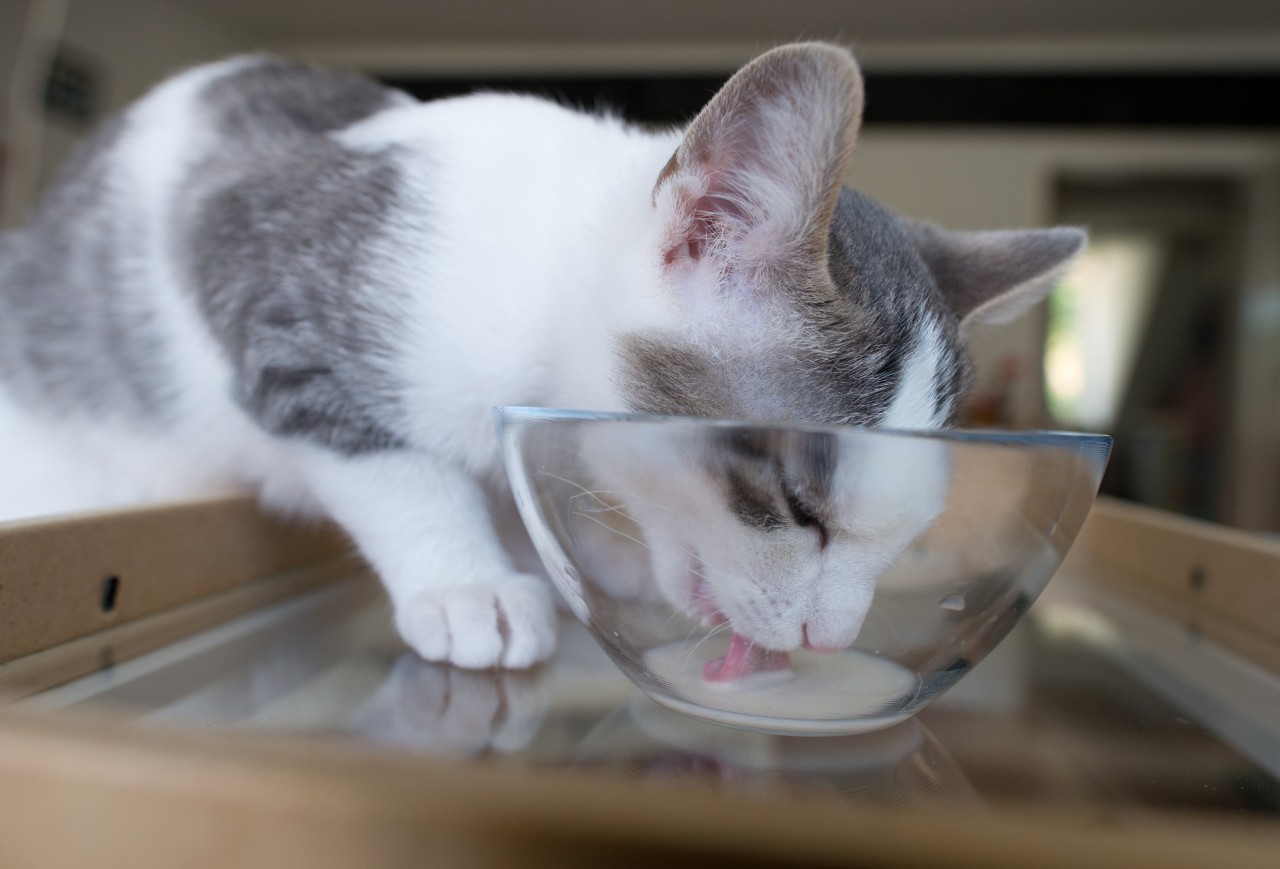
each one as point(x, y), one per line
point(704, 214)
point(759, 169)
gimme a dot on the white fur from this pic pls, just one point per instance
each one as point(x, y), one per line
point(529, 321)
point(916, 406)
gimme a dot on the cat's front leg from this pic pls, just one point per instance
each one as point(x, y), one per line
point(425, 527)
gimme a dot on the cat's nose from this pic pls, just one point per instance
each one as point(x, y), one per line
point(812, 647)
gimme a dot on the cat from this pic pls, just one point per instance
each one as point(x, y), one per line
point(296, 279)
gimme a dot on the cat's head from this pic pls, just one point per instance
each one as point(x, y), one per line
point(792, 297)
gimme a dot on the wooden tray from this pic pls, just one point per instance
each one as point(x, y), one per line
point(93, 791)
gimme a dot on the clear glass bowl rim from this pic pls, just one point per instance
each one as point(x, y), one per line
point(1081, 441)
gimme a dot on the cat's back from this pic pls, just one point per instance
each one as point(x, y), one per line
point(77, 333)
point(261, 96)
point(256, 219)
point(98, 333)
point(87, 281)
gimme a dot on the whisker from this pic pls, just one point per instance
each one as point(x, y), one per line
point(610, 528)
point(693, 555)
point(720, 628)
point(682, 612)
point(622, 493)
point(605, 507)
point(583, 490)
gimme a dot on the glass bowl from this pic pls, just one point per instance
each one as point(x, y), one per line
point(795, 578)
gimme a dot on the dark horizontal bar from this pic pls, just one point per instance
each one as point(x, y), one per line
point(1119, 99)
point(1076, 100)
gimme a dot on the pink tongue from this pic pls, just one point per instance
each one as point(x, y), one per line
point(742, 660)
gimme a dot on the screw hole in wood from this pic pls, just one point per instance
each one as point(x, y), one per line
point(110, 592)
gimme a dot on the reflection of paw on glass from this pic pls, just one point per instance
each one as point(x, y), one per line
point(446, 710)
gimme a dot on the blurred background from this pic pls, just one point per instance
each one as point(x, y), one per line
point(1154, 124)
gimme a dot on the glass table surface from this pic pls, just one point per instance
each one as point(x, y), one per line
point(1093, 703)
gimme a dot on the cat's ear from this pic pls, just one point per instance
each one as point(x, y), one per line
point(992, 277)
point(754, 181)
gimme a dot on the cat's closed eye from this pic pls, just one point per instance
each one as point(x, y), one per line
point(805, 517)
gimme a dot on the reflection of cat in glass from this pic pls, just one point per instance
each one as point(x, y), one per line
point(303, 281)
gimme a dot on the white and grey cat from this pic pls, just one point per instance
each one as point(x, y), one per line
point(268, 274)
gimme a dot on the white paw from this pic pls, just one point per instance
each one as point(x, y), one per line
point(511, 624)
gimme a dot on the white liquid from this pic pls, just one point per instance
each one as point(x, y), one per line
point(837, 693)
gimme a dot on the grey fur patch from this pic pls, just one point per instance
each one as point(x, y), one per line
point(75, 336)
point(661, 376)
point(775, 479)
point(282, 100)
point(860, 322)
point(275, 226)
point(279, 243)
point(889, 292)
point(753, 501)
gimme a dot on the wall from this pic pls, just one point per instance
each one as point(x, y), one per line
point(12, 15)
point(141, 41)
point(1257, 419)
point(133, 43)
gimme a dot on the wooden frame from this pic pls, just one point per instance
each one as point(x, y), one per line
point(62, 579)
point(1220, 582)
point(100, 588)
point(96, 791)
